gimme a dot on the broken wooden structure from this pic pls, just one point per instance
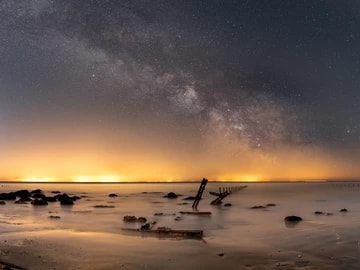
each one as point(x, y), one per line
point(223, 193)
point(199, 193)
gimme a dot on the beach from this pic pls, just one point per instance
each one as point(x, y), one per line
point(236, 237)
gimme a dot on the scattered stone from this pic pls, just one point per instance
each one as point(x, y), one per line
point(130, 219)
point(343, 210)
point(293, 219)
point(113, 195)
point(171, 195)
point(54, 217)
point(271, 204)
point(191, 198)
point(178, 218)
point(141, 219)
point(36, 191)
point(258, 207)
point(221, 254)
point(227, 204)
point(329, 214)
point(318, 213)
point(39, 202)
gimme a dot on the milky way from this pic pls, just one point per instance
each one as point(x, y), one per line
point(230, 88)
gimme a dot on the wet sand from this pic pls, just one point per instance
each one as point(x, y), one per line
point(63, 250)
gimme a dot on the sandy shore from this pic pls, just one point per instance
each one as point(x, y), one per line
point(63, 250)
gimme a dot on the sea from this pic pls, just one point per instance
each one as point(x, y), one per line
point(327, 234)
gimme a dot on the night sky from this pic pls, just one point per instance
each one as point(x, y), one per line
point(179, 90)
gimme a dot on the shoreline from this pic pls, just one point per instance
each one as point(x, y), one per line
point(68, 249)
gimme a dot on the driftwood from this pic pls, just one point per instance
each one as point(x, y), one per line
point(195, 213)
point(197, 234)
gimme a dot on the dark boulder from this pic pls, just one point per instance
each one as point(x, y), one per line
point(38, 196)
point(141, 219)
point(113, 195)
point(39, 202)
point(2, 202)
point(227, 204)
point(36, 191)
point(68, 201)
point(23, 193)
point(8, 196)
point(171, 195)
point(293, 219)
point(343, 210)
point(318, 213)
point(50, 199)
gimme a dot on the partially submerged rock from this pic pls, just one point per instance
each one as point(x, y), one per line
point(54, 217)
point(38, 202)
point(113, 195)
point(227, 204)
point(258, 207)
point(130, 219)
point(171, 195)
point(293, 219)
point(344, 210)
point(318, 213)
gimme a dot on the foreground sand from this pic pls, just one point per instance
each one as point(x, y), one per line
point(63, 249)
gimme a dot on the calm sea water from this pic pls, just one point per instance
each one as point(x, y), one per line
point(226, 226)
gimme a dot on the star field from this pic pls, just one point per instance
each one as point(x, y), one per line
point(179, 89)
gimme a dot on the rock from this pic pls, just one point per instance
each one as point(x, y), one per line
point(2, 202)
point(171, 195)
point(38, 202)
point(191, 198)
point(258, 207)
point(75, 198)
point(271, 204)
point(24, 193)
point(36, 191)
point(221, 254)
point(227, 204)
point(293, 219)
point(38, 196)
point(54, 217)
point(343, 210)
point(50, 199)
point(318, 213)
point(23, 201)
point(129, 218)
point(8, 196)
point(113, 195)
point(64, 199)
point(329, 214)
point(141, 219)
point(66, 202)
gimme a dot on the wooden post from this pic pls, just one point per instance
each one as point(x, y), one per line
point(199, 193)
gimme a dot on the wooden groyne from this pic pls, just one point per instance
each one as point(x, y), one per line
point(224, 192)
